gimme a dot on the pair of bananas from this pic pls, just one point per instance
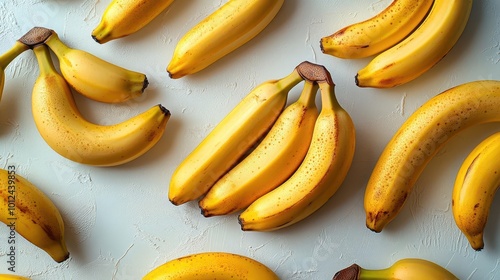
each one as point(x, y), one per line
point(279, 164)
point(408, 38)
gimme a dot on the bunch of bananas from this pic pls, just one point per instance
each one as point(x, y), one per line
point(279, 164)
point(409, 37)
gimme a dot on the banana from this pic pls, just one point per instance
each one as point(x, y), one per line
point(318, 177)
point(68, 133)
point(229, 27)
point(6, 58)
point(421, 50)
point(475, 186)
point(124, 17)
point(271, 163)
point(419, 139)
point(29, 212)
point(232, 138)
point(379, 33)
point(403, 269)
point(12, 277)
point(212, 265)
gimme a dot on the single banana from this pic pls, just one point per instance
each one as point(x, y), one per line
point(228, 28)
point(212, 265)
point(67, 132)
point(378, 33)
point(403, 269)
point(271, 163)
point(419, 139)
point(421, 50)
point(28, 211)
point(12, 277)
point(475, 186)
point(231, 139)
point(124, 17)
point(323, 170)
point(6, 58)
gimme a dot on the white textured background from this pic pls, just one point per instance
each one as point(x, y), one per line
point(119, 222)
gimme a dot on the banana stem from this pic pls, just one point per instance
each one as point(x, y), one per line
point(56, 45)
point(12, 53)
point(328, 99)
point(308, 95)
point(355, 272)
point(44, 59)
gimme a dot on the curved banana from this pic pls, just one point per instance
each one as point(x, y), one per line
point(419, 139)
point(6, 58)
point(124, 17)
point(475, 186)
point(378, 33)
point(271, 162)
point(318, 177)
point(228, 28)
point(213, 265)
point(421, 50)
point(12, 277)
point(236, 134)
point(67, 132)
point(29, 212)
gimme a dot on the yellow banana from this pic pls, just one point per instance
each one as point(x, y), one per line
point(317, 178)
point(232, 138)
point(421, 50)
point(212, 265)
point(403, 269)
point(6, 58)
point(12, 277)
point(124, 17)
point(29, 212)
point(378, 33)
point(419, 139)
point(228, 28)
point(475, 186)
point(67, 132)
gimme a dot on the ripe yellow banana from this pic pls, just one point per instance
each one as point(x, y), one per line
point(232, 138)
point(67, 132)
point(212, 265)
point(124, 17)
point(475, 186)
point(12, 277)
point(378, 33)
point(317, 178)
point(29, 212)
point(271, 163)
point(419, 139)
point(228, 28)
point(6, 58)
point(421, 50)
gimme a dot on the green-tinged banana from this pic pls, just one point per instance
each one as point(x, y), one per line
point(421, 50)
point(271, 163)
point(377, 34)
point(212, 265)
point(6, 58)
point(419, 139)
point(124, 17)
point(228, 28)
point(404, 269)
point(12, 277)
point(475, 186)
point(323, 170)
point(26, 210)
point(232, 138)
point(68, 133)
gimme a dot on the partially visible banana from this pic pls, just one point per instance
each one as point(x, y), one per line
point(228, 28)
point(421, 50)
point(419, 138)
point(67, 132)
point(377, 34)
point(6, 58)
point(124, 17)
point(212, 265)
point(12, 277)
point(29, 212)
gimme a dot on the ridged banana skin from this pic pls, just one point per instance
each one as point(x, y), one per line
point(323, 170)
point(6, 58)
point(125, 17)
point(475, 186)
point(67, 132)
point(232, 138)
point(212, 265)
point(379, 33)
point(270, 163)
point(421, 50)
point(417, 141)
point(12, 277)
point(37, 219)
point(228, 28)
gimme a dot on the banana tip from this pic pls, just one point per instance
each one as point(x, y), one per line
point(164, 110)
